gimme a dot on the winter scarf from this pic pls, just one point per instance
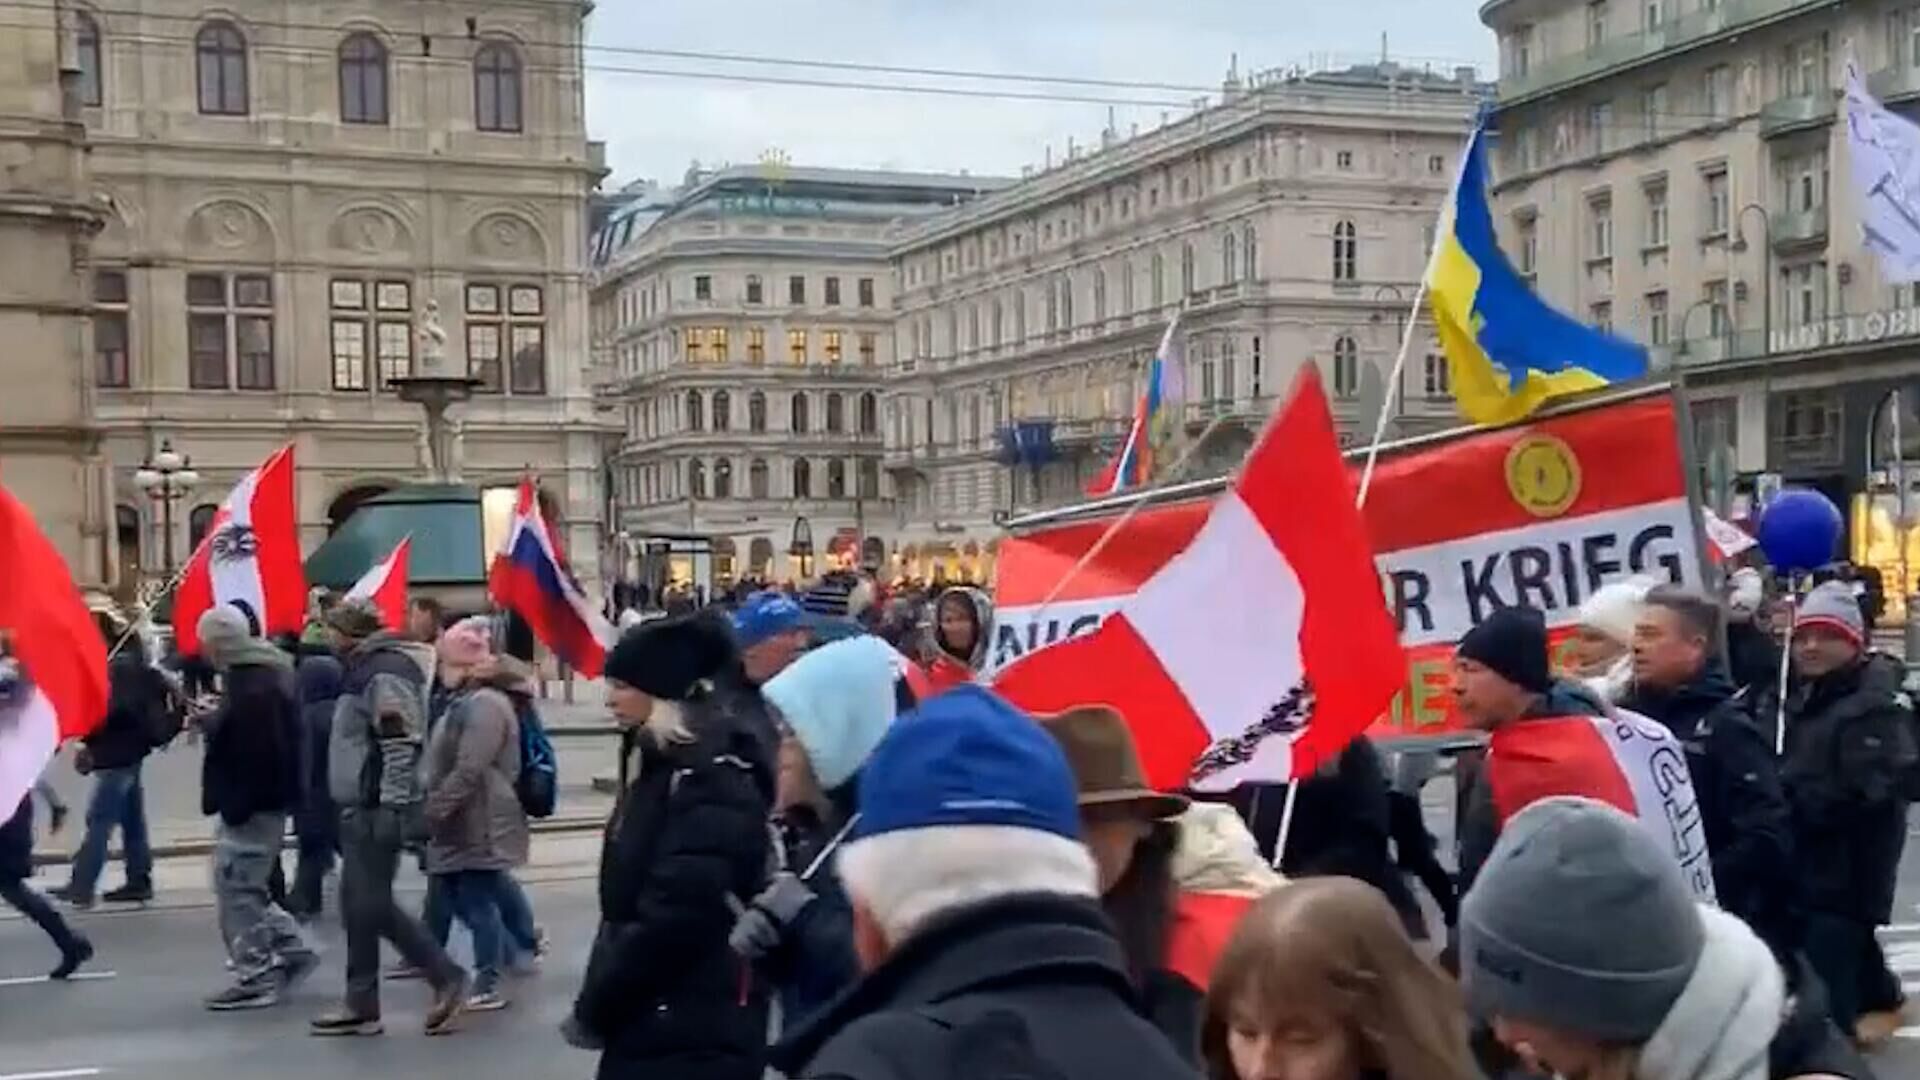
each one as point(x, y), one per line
point(1723, 1022)
point(839, 701)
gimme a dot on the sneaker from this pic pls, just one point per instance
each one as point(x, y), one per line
point(236, 998)
point(130, 893)
point(343, 1022)
point(449, 1002)
point(297, 967)
point(66, 894)
point(486, 1001)
point(77, 952)
point(405, 973)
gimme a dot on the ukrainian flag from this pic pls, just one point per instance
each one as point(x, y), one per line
point(1507, 351)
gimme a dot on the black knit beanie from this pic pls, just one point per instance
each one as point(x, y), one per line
point(1513, 643)
point(667, 658)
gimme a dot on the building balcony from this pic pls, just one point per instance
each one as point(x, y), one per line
point(1897, 83)
point(1801, 112)
point(1805, 228)
point(1692, 29)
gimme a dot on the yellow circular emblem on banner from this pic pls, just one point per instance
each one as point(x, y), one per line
point(1543, 475)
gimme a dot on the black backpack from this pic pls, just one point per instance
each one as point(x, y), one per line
point(162, 712)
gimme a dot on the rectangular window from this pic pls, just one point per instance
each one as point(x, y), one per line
point(1529, 230)
point(1803, 293)
point(507, 346)
point(832, 289)
point(1601, 316)
point(230, 331)
point(1520, 50)
point(866, 292)
point(695, 339)
point(1718, 201)
point(756, 345)
point(1655, 15)
point(1600, 228)
point(796, 290)
point(349, 354)
point(1656, 195)
point(1600, 127)
point(1803, 68)
point(1342, 160)
point(371, 332)
point(1715, 295)
point(830, 344)
point(110, 315)
point(754, 293)
point(1596, 23)
point(797, 346)
point(1657, 318)
point(702, 287)
point(1717, 92)
point(869, 347)
point(1653, 111)
point(718, 346)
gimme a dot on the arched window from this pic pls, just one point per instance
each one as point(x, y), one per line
point(363, 80)
point(1229, 259)
point(801, 418)
point(1250, 252)
point(1346, 252)
point(1188, 280)
point(802, 479)
point(722, 411)
point(1346, 367)
point(220, 53)
point(199, 523)
point(697, 478)
point(836, 478)
point(1099, 295)
point(869, 414)
point(86, 50)
point(696, 413)
point(757, 478)
point(757, 412)
point(723, 478)
point(836, 414)
point(496, 88)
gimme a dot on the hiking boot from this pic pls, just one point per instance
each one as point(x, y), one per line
point(73, 898)
point(131, 893)
point(237, 998)
point(74, 953)
point(345, 1022)
point(449, 1001)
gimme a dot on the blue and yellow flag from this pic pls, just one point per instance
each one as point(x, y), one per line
point(1507, 351)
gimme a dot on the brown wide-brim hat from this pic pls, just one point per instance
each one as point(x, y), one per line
point(1106, 763)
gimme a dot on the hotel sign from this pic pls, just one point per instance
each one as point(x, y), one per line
point(1840, 330)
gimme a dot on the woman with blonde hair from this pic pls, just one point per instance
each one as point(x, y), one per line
point(1321, 982)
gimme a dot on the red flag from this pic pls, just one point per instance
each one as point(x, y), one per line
point(250, 558)
point(1260, 650)
point(386, 585)
point(529, 577)
point(46, 626)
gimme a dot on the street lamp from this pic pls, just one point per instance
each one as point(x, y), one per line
point(1739, 246)
point(1680, 349)
point(166, 477)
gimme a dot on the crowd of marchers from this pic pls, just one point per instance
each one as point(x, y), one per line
point(829, 829)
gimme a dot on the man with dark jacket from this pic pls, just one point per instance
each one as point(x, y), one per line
point(373, 756)
point(1849, 746)
point(113, 754)
point(1680, 681)
point(317, 823)
point(976, 917)
point(250, 781)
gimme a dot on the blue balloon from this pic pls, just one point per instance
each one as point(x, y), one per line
point(1800, 530)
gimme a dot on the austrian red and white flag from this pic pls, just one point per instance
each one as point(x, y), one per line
point(53, 661)
point(250, 559)
point(385, 584)
point(1724, 539)
point(1260, 650)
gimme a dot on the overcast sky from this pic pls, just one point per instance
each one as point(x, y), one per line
point(656, 126)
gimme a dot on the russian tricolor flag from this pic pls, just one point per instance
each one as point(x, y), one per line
point(1153, 420)
point(530, 578)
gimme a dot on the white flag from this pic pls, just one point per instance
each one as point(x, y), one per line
point(1883, 154)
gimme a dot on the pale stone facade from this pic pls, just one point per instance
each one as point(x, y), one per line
point(289, 187)
point(1674, 170)
point(1288, 224)
point(49, 441)
point(743, 327)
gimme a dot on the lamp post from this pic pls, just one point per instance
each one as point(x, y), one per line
point(167, 477)
point(1680, 348)
point(1738, 247)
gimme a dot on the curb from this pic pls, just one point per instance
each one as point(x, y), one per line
point(181, 849)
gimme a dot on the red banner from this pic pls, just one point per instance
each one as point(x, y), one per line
point(1540, 515)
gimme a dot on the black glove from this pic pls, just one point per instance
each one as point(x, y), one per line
point(760, 928)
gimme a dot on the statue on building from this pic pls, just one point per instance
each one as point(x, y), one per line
point(433, 340)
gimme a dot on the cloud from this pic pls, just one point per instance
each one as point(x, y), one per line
point(655, 126)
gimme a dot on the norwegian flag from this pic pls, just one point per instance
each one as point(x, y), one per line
point(53, 663)
point(385, 584)
point(1260, 650)
point(249, 559)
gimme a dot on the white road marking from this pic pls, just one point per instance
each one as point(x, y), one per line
point(26, 980)
point(1903, 1033)
point(53, 1074)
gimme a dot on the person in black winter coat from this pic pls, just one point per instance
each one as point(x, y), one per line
point(664, 995)
point(316, 823)
point(1849, 747)
point(1680, 682)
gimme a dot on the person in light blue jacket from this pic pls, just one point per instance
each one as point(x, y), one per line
point(832, 706)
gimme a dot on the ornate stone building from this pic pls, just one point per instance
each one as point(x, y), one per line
point(49, 441)
point(288, 187)
point(1288, 225)
point(745, 329)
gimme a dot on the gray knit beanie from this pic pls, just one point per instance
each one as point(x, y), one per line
point(1833, 605)
point(1579, 922)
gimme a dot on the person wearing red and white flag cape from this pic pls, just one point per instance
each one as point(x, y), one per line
point(384, 585)
point(1263, 648)
point(249, 559)
point(53, 686)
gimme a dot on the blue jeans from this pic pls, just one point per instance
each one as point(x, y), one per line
point(495, 910)
point(118, 800)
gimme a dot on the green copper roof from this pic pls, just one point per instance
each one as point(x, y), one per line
point(443, 519)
